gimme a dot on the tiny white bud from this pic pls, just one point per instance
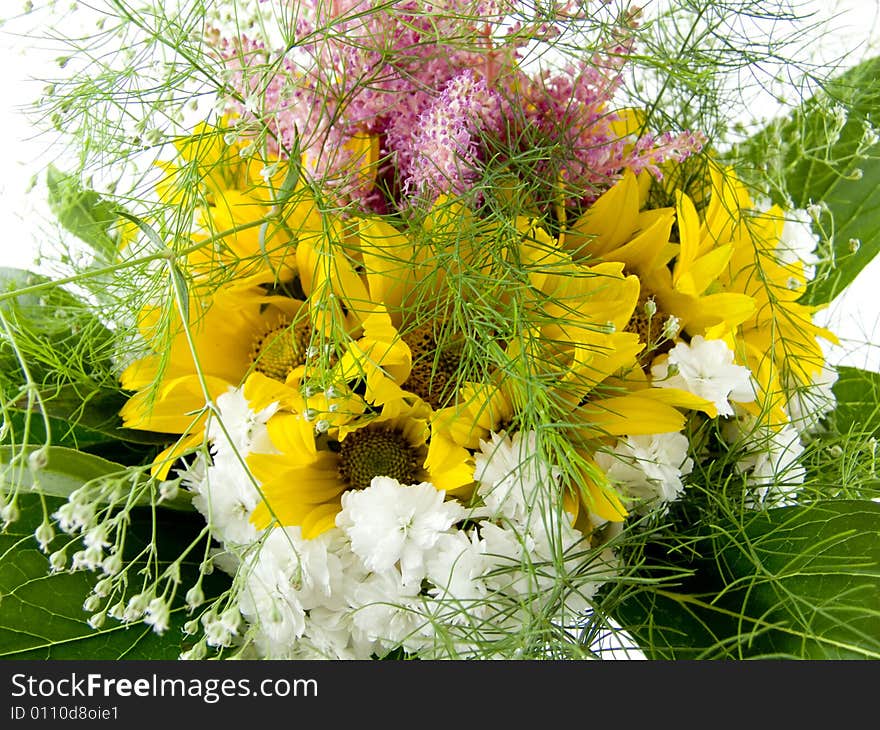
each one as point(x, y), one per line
point(195, 597)
point(38, 459)
point(103, 587)
point(854, 245)
point(196, 653)
point(168, 491)
point(58, 560)
point(650, 307)
point(230, 619)
point(112, 564)
point(45, 533)
point(79, 497)
point(9, 513)
point(671, 327)
point(158, 615)
point(96, 620)
point(191, 627)
point(92, 603)
point(137, 606)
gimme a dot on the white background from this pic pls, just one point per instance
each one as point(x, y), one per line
point(853, 29)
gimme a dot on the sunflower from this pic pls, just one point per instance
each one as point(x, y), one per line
point(303, 483)
point(384, 292)
point(236, 330)
point(680, 280)
point(249, 212)
point(576, 353)
point(778, 342)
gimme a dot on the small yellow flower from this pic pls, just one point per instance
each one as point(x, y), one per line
point(680, 279)
point(236, 330)
point(303, 484)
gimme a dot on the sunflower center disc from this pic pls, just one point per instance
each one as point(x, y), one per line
point(377, 452)
point(650, 329)
point(433, 370)
point(281, 349)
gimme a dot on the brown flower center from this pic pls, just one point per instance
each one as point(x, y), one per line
point(376, 451)
point(651, 324)
point(281, 349)
point(434, 369)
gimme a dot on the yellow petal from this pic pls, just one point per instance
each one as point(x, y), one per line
point(163, 462)
point(292, 435)
point(321, 519)
point(609, 222)
point(629, 415)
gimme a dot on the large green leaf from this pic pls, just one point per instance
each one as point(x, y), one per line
point(96, 410)
point(843, 172)
point(49, 327)
point(794, 582)
point(858, 402)
point(64, 470)
point(41, 614)
point(83, 212)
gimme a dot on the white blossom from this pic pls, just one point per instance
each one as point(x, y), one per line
point(457, 568)
point(648, 468)
point(797, 242)
point(287, 575)
point(770, 460)
point(388, 611)
point(808, 404)
point(510, 473)
point(239, 430)
point(389, 523)
point(706, 369)
point(224, 491)
point(226, 497)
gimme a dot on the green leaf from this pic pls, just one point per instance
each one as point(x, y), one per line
point(56, 324)
point(822, 162)
point(64, 470)
point(63, 433)
point(96, 410)
point(42, 616)
point(83, 212)
point(858, 402)
point(794, 582)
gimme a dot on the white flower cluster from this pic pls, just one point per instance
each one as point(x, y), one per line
point(224, 491)
point(405, 567)
point(648, 469)
point(706, 368)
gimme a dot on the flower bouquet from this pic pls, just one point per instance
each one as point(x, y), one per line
point(459, 330)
